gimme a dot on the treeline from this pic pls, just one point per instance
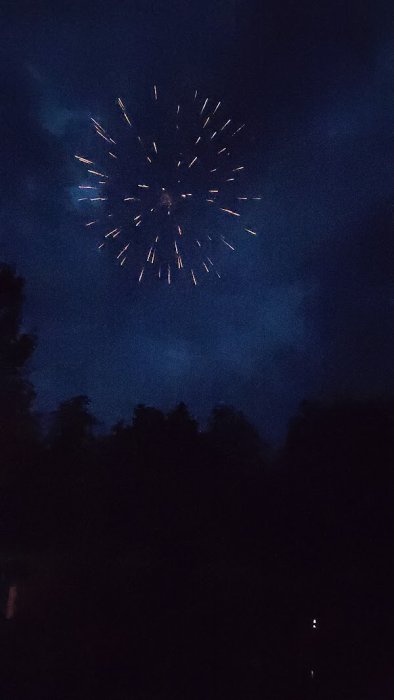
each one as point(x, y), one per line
point(203, 556)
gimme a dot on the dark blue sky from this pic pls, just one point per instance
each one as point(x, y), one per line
point(304, 310)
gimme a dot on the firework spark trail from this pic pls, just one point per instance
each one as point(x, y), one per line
point(216, 108)
point(124, 249)
point(84, 160)
point(97, 125)
point(229, 211)
point(227, 244)
point(102, 136)
point(238, 130)
point(95, 172)
point(102, 132)
point(111, 233)
point(204, 105)
point(226, 124)
point(123, 108)
point(155, 201)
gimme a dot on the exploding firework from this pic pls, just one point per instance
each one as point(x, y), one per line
point(158, 194)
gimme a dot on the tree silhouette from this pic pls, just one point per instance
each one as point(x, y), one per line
point(148, 424)
point(181, 426)
point(19, 431)
point(72, 478)
point(16, 393)
point(72, 424)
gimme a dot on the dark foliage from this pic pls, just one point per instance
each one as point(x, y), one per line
point(162, 560)
point(18, 431)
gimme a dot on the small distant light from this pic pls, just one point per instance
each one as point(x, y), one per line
point(312, 673)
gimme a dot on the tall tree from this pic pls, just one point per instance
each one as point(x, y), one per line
point(233, 436)
point(18, 427)
point(16, 392)
point(72, 424)
point(181, 426)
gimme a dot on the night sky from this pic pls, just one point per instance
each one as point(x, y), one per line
point(304, 310)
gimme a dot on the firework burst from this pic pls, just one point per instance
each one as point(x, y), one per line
point(159, 193)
